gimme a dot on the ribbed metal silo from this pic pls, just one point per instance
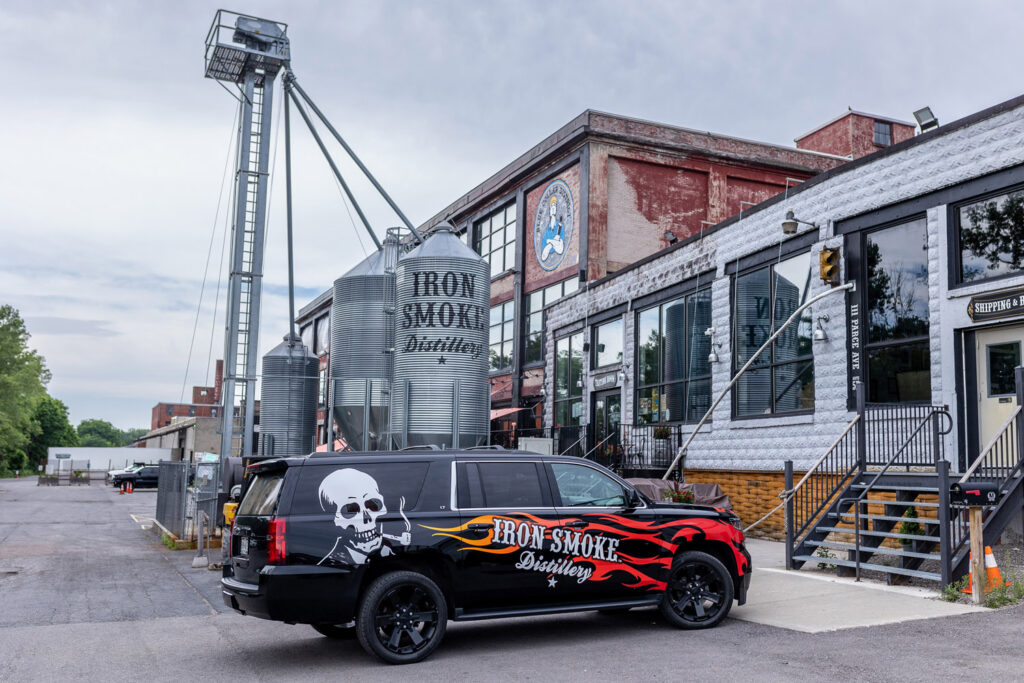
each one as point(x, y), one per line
point(362, 339)
point(288, 399)
point(441, 390)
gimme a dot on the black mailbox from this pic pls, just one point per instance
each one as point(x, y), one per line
point(975, 493)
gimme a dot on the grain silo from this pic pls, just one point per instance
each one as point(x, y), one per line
point(441, 392)
point(288, 399)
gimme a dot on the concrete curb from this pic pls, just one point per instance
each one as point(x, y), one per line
point(159, 530)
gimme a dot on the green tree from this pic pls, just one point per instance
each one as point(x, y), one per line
point(51, 417)
point(23, 378)
point(995, 232)
point(99, 434)
point(132, 435)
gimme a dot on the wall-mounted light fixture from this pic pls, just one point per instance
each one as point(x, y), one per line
point(671, 237)
point(926, 119)
point(819, 331)
point(621, 375)
point(713, 356)
point(790, 224)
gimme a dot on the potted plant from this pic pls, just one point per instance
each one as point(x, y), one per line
point(679, 496)
point(910, 526)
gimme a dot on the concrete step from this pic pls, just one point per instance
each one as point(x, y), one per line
point(880, 550)
point(930, 576)
point(878, 534)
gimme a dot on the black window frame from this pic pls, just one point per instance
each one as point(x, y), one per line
point(574, 384)
point(469, 486)
point(661, 384)
point(530, 316)
point(956, 246)
point(595, 343)
point(798, 248)
point(882, 138)
point(503, 341)
point(508, 225)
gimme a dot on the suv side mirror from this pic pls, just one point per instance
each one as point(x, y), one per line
point(236, 492)
point(633, 499)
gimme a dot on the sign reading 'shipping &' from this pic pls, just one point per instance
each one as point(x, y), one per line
point(1007, 303)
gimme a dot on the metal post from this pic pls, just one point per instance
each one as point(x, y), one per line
point(456, 437)
point(945, 542)
point(1018, 378)
point(862, 428)
point(790, 526)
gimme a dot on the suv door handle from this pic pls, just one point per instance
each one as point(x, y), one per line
point(480, 526)
point(576, 524)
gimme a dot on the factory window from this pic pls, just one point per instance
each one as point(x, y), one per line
point(608, 343)
point(170, 410)
point(323, 335)
point(781, 380)
point(502, 323)
point(322, 400)
point(191, 411)
point(536, 302)
point(883, 133)
point(569, 380)
point(673, 374)
point(991, 233)
point(307, 336)
point(897, 351)
point(496, 239)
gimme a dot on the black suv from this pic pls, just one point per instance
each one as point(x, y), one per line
point(387, 547)
point(147, 476)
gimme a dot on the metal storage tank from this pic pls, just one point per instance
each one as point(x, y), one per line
point(362, 343)
point(441, 392)
point(288, 399)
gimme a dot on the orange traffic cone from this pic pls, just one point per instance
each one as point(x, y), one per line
point(122, 487)
point(993, 579)
point(130, 486)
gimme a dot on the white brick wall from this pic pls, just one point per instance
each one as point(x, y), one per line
point(763, 444)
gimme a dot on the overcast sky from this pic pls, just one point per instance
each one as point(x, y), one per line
point(114, 145)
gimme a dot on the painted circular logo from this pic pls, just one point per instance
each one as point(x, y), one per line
point(552, 226)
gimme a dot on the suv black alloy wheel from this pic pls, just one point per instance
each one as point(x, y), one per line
point(699, 591)
point(402, 618)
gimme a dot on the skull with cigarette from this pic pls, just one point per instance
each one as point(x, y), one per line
point(358, 506)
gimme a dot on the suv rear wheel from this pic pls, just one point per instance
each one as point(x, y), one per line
point(402, 618)
point(699, 592)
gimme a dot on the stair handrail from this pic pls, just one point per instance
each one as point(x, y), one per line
point(992, 442)
point(597, 445)
point(859, 499)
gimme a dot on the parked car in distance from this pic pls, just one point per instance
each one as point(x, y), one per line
point(133, 468)
point(147, 476)
point(388, 547)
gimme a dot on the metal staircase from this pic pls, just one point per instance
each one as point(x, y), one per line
point(850, 510)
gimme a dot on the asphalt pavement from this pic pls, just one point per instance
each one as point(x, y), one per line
point(87, 593)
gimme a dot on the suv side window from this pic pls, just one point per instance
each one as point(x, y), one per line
point(579, 485)
point(499, 485)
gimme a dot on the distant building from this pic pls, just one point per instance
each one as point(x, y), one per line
point(185, 437)
point(856, 134)
point(205, 403)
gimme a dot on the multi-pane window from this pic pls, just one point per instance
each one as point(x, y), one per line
point(323, 335)
point(502, 323)
point(536, 302)
point(496, 239)
point(608, 343)
point(569, 380)
point(897, 351)
point(991, 236)
point(322, 397)
point(781, 380)
point(673, 375)
point(307, 336)
point(883, 133)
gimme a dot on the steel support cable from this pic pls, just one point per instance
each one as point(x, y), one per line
point(330, 161)
point(736, 377)
point(209, 253)
point(355, 158)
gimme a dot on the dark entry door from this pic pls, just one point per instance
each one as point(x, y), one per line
point(607, 416)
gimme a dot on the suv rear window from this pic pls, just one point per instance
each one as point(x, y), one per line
point(393, 481)
point(261, 498)
point(499, 485)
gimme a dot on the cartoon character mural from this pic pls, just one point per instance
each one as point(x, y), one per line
point(358, 505)
point(553, 225)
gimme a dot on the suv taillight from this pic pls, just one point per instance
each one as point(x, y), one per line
point(275, 541)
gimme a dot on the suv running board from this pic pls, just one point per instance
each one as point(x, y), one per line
point(470, 615)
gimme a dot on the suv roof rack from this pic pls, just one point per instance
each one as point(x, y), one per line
point(492, 447)
point(424, 447)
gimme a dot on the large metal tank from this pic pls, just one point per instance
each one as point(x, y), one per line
point(441, 392)
point(288, 399)
point(362, 343)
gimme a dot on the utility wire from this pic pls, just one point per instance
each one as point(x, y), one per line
point(206, 268)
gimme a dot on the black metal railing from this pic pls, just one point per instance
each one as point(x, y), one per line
point(819, 487)
point(892, 427)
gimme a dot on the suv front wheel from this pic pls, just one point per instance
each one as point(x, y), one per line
point(699, 592)
point(402, 618)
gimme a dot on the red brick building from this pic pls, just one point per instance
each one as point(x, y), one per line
point(600, 193)
point(855, 134)
point(205, 403)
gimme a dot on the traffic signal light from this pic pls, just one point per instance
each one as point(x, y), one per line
point(828, 264)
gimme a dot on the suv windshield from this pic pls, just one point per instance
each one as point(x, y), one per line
point(261, 498)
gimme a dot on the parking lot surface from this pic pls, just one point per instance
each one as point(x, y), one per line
point(86, 593)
